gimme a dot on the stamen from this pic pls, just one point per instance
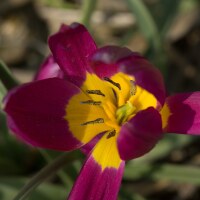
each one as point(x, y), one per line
point(97, 92)
point(91, 102)
point(115, 94)
point(112, 82)
point(111, 134)
point(133, 86)
point(96, 121)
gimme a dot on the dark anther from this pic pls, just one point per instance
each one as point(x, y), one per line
point(91, 102)
point(112, 82)
point(111, 134)
point(96, 121)
point(115, 94)
point(97, 92)
point(133, 89)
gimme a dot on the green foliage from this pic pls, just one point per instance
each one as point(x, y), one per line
point(169, 143)
point(9, 187)
point(6, 77)
point(146, 23)
point(88, 8)
point(169, 172)
point(2, 93)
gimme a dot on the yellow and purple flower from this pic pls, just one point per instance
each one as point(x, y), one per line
point(109, 101)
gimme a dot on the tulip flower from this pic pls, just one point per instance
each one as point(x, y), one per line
point(109, 101)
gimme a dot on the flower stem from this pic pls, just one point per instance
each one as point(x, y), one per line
point(62, 175)
point(146, 22)
point(87, 10)
point(45, 173)
point(150, 30)
point(6, 76)
point(3, 92)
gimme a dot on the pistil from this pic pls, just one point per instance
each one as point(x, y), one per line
point(124, 112)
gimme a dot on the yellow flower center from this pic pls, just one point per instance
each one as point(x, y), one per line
point(103, 106)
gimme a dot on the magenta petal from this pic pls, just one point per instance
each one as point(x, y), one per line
point(71, 48)
point(64, 28)
point(94, 183)
point(49, 69)
point(87, 148)
point(110, 54)
point(35, 113)
point(185, 113)
point(140, 134)
point(107, 61)
point(146, 75)
point(104, 60)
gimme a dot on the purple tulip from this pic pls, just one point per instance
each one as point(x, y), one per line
point(109, 101)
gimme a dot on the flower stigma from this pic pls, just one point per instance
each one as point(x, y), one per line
point(124, 112)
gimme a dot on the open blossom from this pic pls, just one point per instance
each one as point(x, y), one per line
point(109, 101)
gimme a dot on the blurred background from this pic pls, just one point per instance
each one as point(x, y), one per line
point(167, 32)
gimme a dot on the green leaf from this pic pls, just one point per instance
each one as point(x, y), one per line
point(46, 172)
point(149, 29)
point(189, 5)
point(145, 22)
point(6, 76)
point(67, 181)
point(169, 143)
point(163, 13)
point(3, 92)
point(87, 10)
point(9, 187)
point(174, 173)
point(13, 153)
point(125, 195)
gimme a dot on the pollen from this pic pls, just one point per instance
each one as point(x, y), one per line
point(111, 134)
point(97, 92)
point(133, 87)
point(96, 121)
point(112, 82)
point(91, 102)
